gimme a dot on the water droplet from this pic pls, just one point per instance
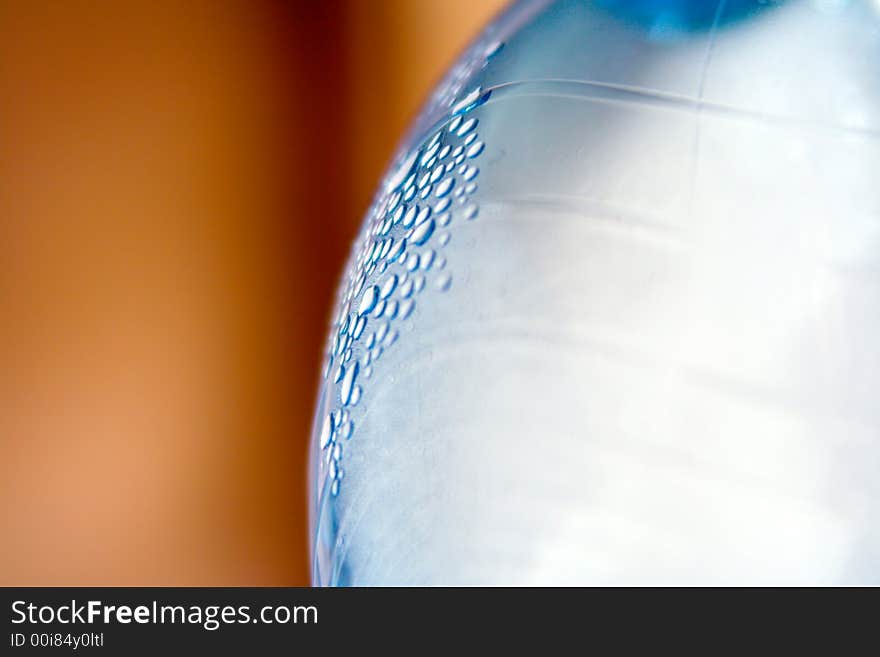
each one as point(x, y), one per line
point(471, 188)
point(397, 249)
point(345, 390)
point(401, 172)
point(458, 151)
point(377, 352)
point(435, 138)
point(410, 216)
point(442, 205)
point(412, 262)
point(340, 372)
point(368, 301)
point(443, 239)
point(466, 127)
point(427, 259)
point(410, 192)
point(380, 309)
point(444, 187)
point(360, 284)
point(371, 340)
point(453, 125)
point(333, 470)
point(430, 153)
point(355, 395)
point(383, 330)
point(390, 339)
point(444, 152)
point(470, 173)
point(406, 290)
point(359, 327)
point(391, 311)
point(419, 283)
point(444, 219)
point(393, 202)
point(424, 180)
point(422, 233)
point(444, 282)
point(441, 262)
point(368, 372)
point(476, 149)
point(437, 173)
point(334, 488)
point(426, 192)
point(406, 308)
point(471, 138)
point(337, 452)
point(410, 181)
point(398, 214)
point(388, 286)
point(423, 215)
point(470, 212)
point(365, 359)
point(346, 429)
point(343, 312)
point(493, 49)
point(474, 99)
point(327, 428)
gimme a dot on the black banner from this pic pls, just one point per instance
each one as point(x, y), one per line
point(194, 621)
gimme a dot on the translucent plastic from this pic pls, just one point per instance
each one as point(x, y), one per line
point(614, 316)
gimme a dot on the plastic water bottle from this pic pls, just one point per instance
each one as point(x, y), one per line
point(614, 314)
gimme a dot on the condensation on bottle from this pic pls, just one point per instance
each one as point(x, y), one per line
point(613, 316)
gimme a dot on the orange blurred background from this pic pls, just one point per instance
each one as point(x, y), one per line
point(179, 183)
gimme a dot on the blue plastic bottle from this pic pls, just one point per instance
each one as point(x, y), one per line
point(614, 314)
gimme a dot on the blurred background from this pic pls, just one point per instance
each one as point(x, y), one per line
point(179, 184)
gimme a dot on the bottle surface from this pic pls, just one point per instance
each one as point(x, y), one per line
point(614, 314)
